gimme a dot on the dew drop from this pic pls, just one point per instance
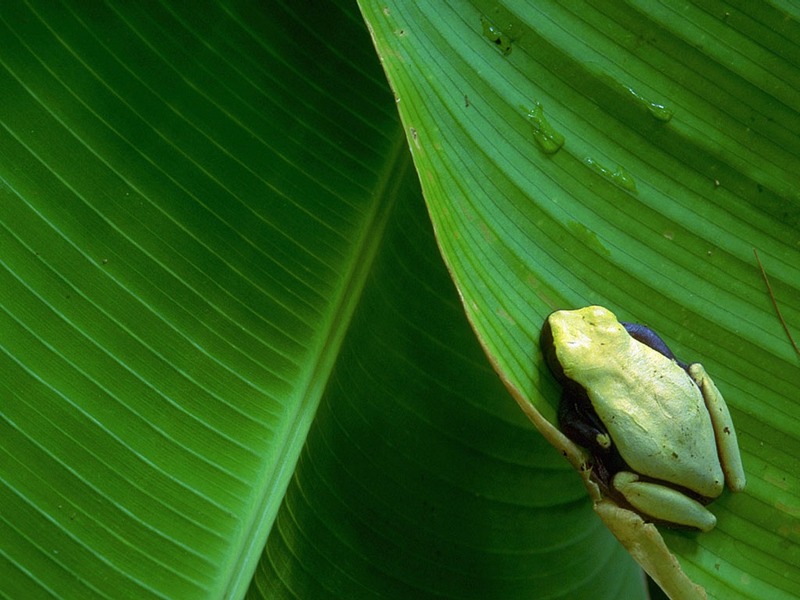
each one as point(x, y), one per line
point(619, 177)
point(549, 140)
point(495, 35)
point(659, 111)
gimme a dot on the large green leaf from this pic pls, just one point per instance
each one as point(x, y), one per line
point(191, 199)
point(680, 127)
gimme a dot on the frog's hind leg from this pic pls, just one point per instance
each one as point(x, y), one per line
point(663, 503)
point(725, 434)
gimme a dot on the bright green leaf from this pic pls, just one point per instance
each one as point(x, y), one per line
point(189, 197)
point(681, 151)
point(194, 198)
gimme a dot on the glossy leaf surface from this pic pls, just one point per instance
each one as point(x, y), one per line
point(630, 155)
point(195, 196)
point(182, 250)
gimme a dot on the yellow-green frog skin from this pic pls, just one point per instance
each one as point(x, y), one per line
point(659, 429)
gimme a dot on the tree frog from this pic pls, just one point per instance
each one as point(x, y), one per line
point(659, 430)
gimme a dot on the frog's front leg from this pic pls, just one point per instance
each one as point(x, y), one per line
point(725, 434)
point(663, 503)
point(581, 424)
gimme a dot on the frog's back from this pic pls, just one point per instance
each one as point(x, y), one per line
point(656, 416)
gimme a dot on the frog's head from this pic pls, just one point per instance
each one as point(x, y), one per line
point(577, 339)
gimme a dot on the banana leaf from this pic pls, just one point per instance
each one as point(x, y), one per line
point(632, 155)
point(234, 362)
